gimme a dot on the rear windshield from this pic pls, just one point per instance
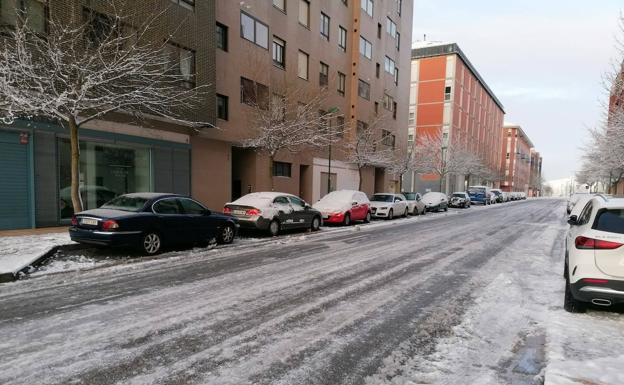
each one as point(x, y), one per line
point(410, 196)
point(126, 203)
point(611, 221)
point(459, 195)
point(381, 198)
point(475, 191)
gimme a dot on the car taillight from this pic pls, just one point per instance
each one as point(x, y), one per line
point(594, 280)
point(110, 225)
point(253, 212)
point(595, 244)
point(227, 210)
point(74, 221)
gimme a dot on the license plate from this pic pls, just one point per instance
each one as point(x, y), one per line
point(239, 212)
point(88, 221)
point(325, 216)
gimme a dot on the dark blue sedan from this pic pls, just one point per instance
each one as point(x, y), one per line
point(149, 221)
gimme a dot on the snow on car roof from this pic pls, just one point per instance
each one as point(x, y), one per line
point(149, 195)
point(259, 197)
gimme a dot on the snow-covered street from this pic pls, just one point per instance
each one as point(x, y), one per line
point(474, 298)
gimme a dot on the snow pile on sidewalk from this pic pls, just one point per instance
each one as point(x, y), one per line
point(19, 252)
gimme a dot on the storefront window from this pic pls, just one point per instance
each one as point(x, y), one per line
point(106, 171)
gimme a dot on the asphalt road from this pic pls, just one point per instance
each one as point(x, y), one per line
point(332, 308)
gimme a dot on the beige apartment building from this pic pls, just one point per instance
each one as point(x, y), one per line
point(357, 52)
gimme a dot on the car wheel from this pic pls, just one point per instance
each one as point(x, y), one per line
point(368, 217)
point(390, 214)
point(274, 228)
point(446, 209)
point(424, 211)
point(571, 304)
point(316, 224)
point(406, 213)
point(227, 235)
point(347, 220)
point(151, 243)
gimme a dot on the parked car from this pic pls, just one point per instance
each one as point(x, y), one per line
point(523, 195)
point(415, 204)
point(497, 195)
point(594, 259)
point(274, 212)
point(582, 201)
point(435, 201)
point(344, 207)
point(573, 199)
point(459, 199)
point(480, 194)
point(148, 221)
point(506, 196)
point(388, 205)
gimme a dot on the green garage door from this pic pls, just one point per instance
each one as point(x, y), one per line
point(14, 182)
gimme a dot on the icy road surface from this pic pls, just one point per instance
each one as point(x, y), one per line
point(460, 299)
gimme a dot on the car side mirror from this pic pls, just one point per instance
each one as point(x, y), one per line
point(573, 220)
point(307, 207)
point(206, 212)
point(354, 203)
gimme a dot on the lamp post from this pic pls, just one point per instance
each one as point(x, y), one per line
point(329, 157)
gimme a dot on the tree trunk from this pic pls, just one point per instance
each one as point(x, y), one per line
point(75, 164)
point(271, 161)
point(360, 175)
point(441, 181)
point(400, 184)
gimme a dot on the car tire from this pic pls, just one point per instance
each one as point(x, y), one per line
point(367, 219)
point(390, 214)
point(316, 224)
point(226, 236)
point(151, 243)
point(347, 220)
point(571, 304)
point(446, 209)
point(274, 228)
point(406, 213)
point(424, 211)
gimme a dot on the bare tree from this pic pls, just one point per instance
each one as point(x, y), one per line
point(290, 118)
point(369, 147)
point(441, 158)
point(85, 71)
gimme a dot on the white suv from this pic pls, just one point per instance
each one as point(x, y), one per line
point(594, 260)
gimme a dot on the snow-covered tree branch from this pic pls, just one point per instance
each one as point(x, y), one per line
point(106, 63)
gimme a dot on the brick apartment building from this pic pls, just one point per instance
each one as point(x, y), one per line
point(535, 176)
point(516, 164)
point(358, 50)
point(117, 156)
point(449, 98)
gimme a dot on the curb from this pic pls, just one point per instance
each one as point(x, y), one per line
point(14, 276)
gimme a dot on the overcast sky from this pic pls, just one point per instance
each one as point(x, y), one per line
point(543, 59)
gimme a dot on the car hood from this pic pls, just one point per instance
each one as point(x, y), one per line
point(381, 204)
point(432, 201)
point(107, 213)
point(331, 206)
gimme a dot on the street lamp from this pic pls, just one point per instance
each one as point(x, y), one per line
point(332, 110)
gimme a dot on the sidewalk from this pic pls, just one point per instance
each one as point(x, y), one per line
point(21, 248)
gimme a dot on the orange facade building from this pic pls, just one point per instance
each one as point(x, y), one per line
point(448, 98)
point(517, 161)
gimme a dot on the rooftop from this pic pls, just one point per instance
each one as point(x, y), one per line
point(425, 49)
point(522, 133)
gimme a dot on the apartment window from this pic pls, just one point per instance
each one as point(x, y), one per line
point(394, 110)
point(254, 94)
point(388, 102)
point(34, 13)
point(507, 155)
point(345, 2)
point(254, 30)
point(340, 126)
point(100, 26)
point(398, 41)
point(222, 107)
point(412, 118)
point(391, 27)
point(325, 26)
point(399, 6)
point(367, 6)
point(447, 93)
point(222, 37)
point(304, 13)
point(396, 76)
point(324, 75)
point(279, 52)
point(342, 80)
point(387, 138)
point(190, 4)
point(363, 89)
point(389, 65)
point(379, 30)
point(182, 62)
point(302, 68)
point(282, 169)
point(366, 48)
point(342, 38)
point(280, 4)
point(377, 70)
point(376, 108)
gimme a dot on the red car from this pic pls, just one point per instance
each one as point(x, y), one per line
point(344, 207)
